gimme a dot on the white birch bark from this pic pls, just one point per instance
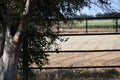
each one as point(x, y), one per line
point(12, 45)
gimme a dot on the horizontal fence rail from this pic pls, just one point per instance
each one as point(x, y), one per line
point(112, 66)
point(88, 18)
point(69, 51)
point(85, 34)
point(117, 66)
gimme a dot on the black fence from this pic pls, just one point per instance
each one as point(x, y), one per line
point(87, 26)
point(25, 77)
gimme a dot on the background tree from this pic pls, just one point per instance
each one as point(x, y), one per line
point(112, 14)
point(23, 25)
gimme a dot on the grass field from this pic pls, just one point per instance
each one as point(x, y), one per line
point(93, 24)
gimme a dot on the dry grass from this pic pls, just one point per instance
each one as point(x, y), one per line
point(86, 59)
point(84, 74)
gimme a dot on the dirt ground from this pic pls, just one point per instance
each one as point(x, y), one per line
point(92, 42)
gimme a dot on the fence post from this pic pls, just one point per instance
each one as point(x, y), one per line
point(116, 25)
point(86, 25)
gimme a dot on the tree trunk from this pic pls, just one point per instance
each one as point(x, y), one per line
point(9, 59)
point(12, 45)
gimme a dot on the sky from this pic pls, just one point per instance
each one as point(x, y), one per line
point(115, 5)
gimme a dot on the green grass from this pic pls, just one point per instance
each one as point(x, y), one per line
point(93, 24)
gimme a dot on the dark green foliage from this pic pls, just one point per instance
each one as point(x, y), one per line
point(36, 39)
point(35, 43)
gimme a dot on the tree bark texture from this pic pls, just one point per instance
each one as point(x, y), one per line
point(10, 48)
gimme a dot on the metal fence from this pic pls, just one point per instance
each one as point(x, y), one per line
point(116, 32)
point(87, 20)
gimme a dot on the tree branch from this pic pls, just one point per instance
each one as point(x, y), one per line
point(26, 17)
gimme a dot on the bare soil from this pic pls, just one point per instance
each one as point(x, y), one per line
point(92, 42)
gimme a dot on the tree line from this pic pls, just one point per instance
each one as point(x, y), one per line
point(111, 14)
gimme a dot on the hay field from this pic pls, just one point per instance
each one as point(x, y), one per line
point(87, 59)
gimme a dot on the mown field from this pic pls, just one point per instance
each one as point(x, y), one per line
point(93, 24)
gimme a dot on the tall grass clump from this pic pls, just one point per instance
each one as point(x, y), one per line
point(77, 74)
